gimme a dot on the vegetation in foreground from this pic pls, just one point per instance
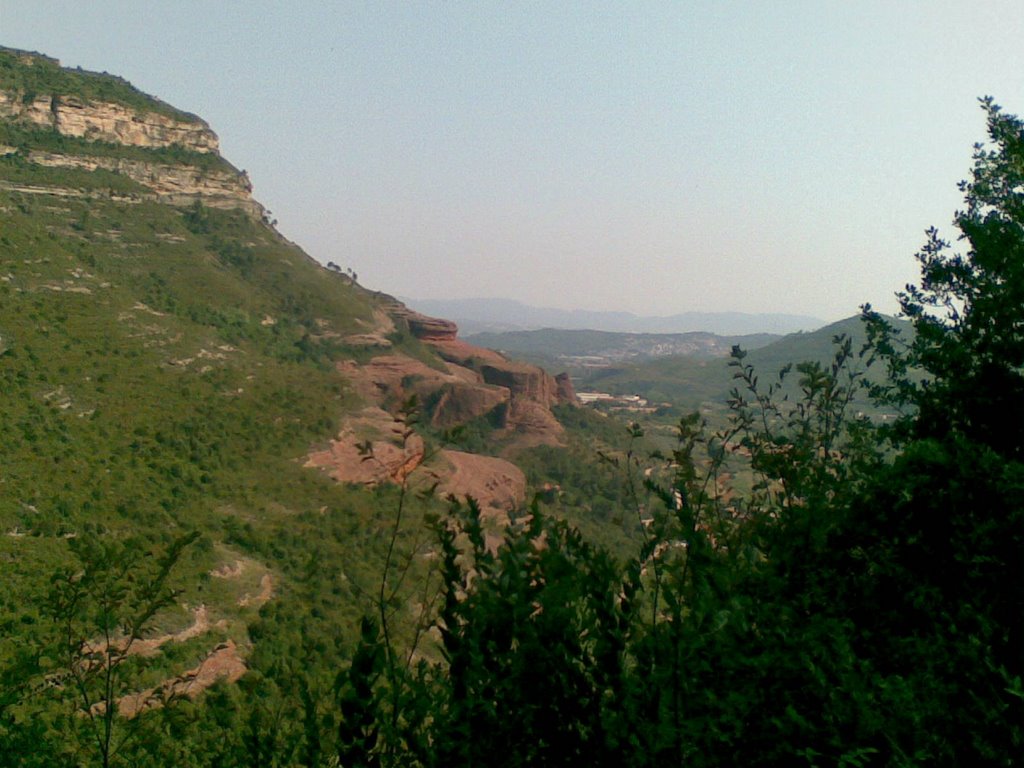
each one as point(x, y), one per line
point(863, 604)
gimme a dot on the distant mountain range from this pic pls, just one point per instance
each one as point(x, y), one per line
point(497, 315)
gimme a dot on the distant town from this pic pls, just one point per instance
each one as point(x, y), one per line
point(606, 401)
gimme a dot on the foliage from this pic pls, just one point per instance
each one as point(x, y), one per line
point(101, 606)
point(969, 339)
point(860, 605)
point(950, 509)
point(534, 637)
point(84, 662)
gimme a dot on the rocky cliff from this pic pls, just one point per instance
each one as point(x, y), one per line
point(61, 118)
point(180, 184)
point(527, 392)
point(64, 132)
point(471, 384)
point(99, 121)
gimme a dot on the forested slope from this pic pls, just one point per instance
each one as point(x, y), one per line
point(169, 367)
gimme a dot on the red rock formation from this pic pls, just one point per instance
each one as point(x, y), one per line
point(423, 327)
point(526, 382)
point(461, 403)
point(494, 483)
point(531, 390)
point(391, 458)
point(566, 393)
point(473, 383)
point(454, 397)
point(431, 329)
point(497, 485)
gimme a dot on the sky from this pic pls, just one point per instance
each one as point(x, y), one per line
point(650, 157)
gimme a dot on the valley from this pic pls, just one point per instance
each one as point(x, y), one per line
point(254, 513)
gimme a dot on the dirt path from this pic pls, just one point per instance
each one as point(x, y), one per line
point(149, 646)
point(222, 663)
point(266, 592)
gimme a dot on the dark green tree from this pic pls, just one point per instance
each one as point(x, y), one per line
point(967, 311)
point(534, 634)
point(942, 531)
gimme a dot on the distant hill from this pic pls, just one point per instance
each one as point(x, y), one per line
point(497, 315)
point(691, 382)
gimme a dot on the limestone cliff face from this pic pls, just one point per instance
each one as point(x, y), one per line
point(102, 121)
point(141, 122)
point(172, 184)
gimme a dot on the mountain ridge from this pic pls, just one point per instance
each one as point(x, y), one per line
point(171, 364)
point(478, 315)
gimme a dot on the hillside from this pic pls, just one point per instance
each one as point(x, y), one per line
point(691, 382)
point(254, 514)
point(170, 363)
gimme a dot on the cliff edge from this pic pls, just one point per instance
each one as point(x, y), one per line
point(84, 121)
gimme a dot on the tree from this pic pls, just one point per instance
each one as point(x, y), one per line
point(100, 606)
point(968, 311)
point(943, 529)
point(533, 633)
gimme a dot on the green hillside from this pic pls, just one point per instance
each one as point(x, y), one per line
point(166, 368)
point(690, 382)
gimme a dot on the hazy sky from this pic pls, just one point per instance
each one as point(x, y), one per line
point(651, 157)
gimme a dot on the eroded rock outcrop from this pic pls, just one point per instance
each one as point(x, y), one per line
point(105, 121)
point(532, 391)
point(432, 329)
point(452, 397)
point(172, 184)
point(375, 445)
point(498, 486)
point(371, 448)
point(498, 482)
point(100, 109)
point(566, 392)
